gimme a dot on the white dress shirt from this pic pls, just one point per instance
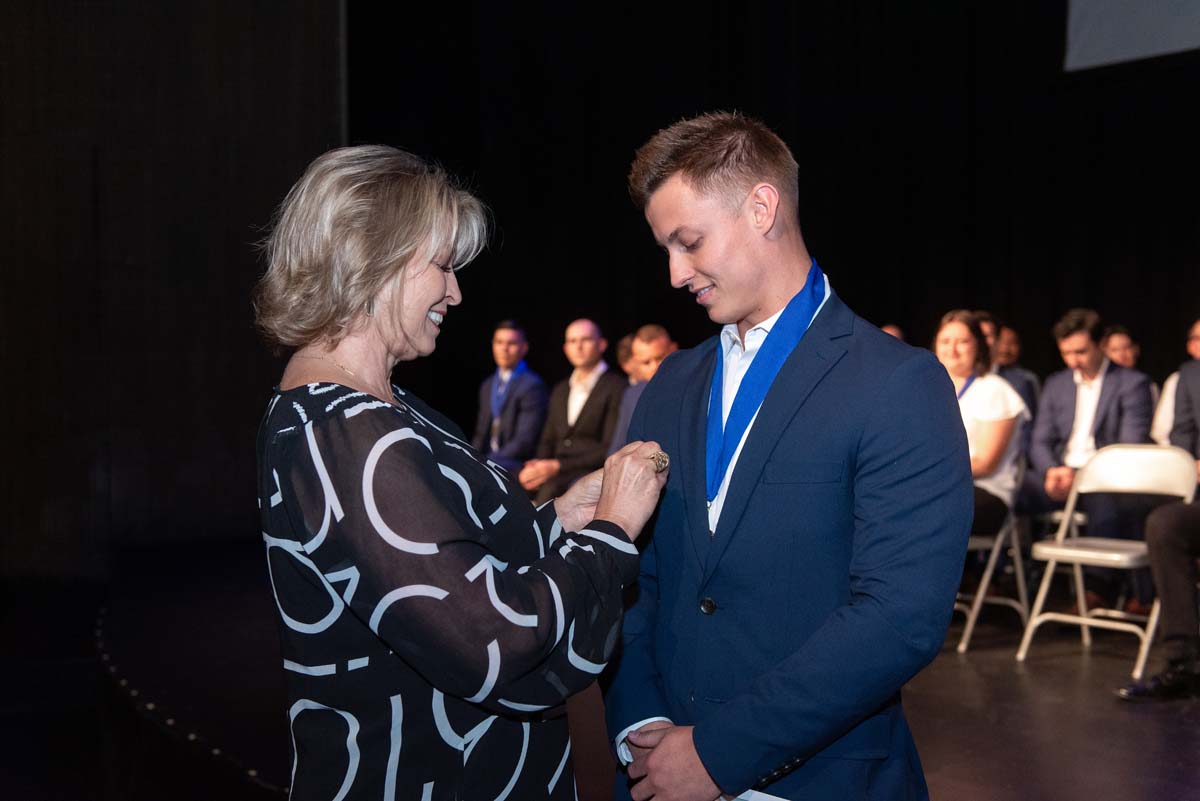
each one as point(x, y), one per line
point(1164, 413)
point(1081, 445)
point(990, 399)
point(582, 384)
point(737, 360)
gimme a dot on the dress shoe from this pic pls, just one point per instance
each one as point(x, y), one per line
point(1135, 607)
point(1180, 680)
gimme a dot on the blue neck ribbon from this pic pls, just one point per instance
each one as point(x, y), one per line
point(721, 440)
point(966, 385)
point(500, 388)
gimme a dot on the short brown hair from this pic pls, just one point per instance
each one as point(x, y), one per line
point(1077, 320)
point(355, 218)
point(624, 349)
point(983, 354)
point(651, 332)
point(721, 151)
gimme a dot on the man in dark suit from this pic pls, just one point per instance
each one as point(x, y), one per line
point(582, 416)
point(1090, 404)
point(1173, 537)
point(648, 346)
point(1005, 346)
point(512, 402)
point(806, 553)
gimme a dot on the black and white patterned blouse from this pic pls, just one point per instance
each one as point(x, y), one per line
point(432, 620)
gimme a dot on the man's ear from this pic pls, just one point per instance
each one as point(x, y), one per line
point(764, 207)
point(603, 344)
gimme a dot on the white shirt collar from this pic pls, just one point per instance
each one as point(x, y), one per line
point(587, 381)
point(1077, 375)
point(756, 334)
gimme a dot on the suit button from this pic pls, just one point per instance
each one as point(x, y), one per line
point(567, 442)
point(708, 606)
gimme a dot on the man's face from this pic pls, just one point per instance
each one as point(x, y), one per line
point(583, 344)
point(508, 348)
point(1121, 350)
point(1008, 347)
point(1080, 352)
point(647, 356)
point(709, 250)
point(1193, 341)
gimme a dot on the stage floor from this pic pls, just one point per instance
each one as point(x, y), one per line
point(181, 658)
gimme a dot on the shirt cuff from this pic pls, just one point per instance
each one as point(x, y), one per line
point(623, 752)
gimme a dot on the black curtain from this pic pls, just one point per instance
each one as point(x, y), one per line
point(945, 158)
point(143, 147)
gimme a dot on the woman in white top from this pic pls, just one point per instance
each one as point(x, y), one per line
point(991, 411)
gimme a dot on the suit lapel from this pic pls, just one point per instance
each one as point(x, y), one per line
point(1108, 395)
point(804, 368)
point(693, 421)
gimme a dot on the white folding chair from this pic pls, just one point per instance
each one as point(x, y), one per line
point(1147, 469)
point(1007, 535)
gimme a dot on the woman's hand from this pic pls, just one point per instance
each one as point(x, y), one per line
point(577, 506)
point(631, 487)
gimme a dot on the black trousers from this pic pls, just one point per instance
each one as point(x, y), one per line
point(989, 513)
point(1173, 537)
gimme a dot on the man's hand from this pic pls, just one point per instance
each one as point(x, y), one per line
point(1058, 482)
point(537, 472)
point(638, 753)
point(577, 506)
point(672, 771)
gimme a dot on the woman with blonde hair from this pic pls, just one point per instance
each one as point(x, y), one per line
point(432, 620)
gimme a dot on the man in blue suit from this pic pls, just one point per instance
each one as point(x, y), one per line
point(512, 402)
point(650, 345)
point(1090, 404)
point(806, 553)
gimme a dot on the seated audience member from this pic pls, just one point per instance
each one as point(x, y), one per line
point(991, 411)
point(1120, 347)
point(625, 357)
point(581, 418)
point(1173, 537)
point(512, 402)
point(1090, 404)
point(651, 344)
point(1164, 412)
point(1005, 357)
point(891, 329)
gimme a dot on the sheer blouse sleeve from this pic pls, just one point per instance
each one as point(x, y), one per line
point(428, 532)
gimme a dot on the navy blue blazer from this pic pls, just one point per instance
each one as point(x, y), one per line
point(1123, 414)
point(1185, 431)
point(521, 419)
point(785, 637)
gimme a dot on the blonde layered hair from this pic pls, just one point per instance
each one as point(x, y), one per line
point(351, 223)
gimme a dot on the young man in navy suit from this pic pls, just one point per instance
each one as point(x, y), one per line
point(807, 550)
point(512, 402)
point(1090, 404)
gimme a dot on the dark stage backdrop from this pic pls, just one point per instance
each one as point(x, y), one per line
point(143, 146)
point(945, 159)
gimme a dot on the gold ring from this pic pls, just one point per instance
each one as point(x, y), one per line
point(661, 461)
